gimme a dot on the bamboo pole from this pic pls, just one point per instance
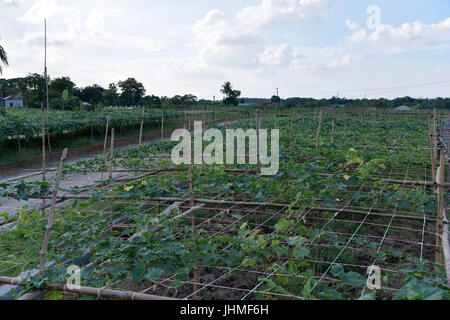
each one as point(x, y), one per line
point(49, 227)
point(332, 126)
point(258, 126)
point(43, 152)
point(111, 161)
point(106, 140)
point(446, 248)
point(319, 128)
point(142, 125)
point(290, 136)
point(440, 213)
point(191, 204)
point(374, 212)
point(90, 291)
point(162, 124)
point(106, 135)
point(433, 159)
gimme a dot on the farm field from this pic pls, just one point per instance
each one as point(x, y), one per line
point(354, 189)
point(21, 129)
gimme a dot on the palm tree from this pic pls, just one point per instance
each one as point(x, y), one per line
point(3, 58)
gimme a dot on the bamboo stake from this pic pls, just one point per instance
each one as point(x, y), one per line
point(440, 213)
point(433, 155)
point(290, 136)
point(106, 135)
point(90, 291)
point(332, 126)
point(162, 124)
point(142, 125)
point(446, 248)
point(111, 161)
point(319, 128)
point(375, 211)
point(51, 214)
point(191, 204)
point(258, 125)
point(43, 152)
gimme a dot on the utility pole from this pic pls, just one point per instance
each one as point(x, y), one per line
point(214, 110)
point(45, 64)
point(279, 99)
point(46, 82)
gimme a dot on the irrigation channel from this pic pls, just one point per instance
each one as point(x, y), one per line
point(357, 191)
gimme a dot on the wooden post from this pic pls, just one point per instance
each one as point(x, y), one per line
point(319, 128)
point(142, 125)
point(191, 204)
point(106, 135)
point(111, 161)
point(440, 213)
point(258, 126)
point(162, 124)
point(18, 140)
point(43, 152)
point(433, 155)
point(446, 248)
point(214, 110)
point(290, 136)
point(332, 126)
point(92, 133)
point(106, 140)
point(49, 227)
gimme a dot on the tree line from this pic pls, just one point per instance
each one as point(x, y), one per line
point(65, 95)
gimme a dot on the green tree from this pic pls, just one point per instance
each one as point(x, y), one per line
point(58, 85)
point(275, 99)
point(152, 101)
point(110, 95)
point(3, 58)
point(92, 94)
point(231, 95)
point(32, 88)
point(132, 91)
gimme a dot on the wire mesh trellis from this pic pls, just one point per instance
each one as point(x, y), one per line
point(359, 232)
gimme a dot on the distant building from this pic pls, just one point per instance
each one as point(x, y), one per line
point(403, 108)
point(272, 104)
point(13, 101)
point(244, 104)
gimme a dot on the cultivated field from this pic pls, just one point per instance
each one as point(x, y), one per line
point(355, 189)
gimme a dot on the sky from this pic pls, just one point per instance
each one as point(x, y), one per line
point(306, 48)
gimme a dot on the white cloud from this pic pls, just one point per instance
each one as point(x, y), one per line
point(351, 25)
point(407, 37)
point(273, 12)
point(239, 42)
point(282, 55)
point(13, 3)
point(42, 9)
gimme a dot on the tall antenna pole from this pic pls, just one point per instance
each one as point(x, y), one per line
point(45, 66)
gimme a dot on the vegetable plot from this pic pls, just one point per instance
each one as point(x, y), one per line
point(313, 231)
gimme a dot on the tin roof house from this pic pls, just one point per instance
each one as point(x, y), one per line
point(403, 108)
point(12, 101)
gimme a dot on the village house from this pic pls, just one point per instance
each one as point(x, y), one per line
point(12, 101)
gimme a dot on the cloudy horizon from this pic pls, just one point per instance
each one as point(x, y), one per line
point(306, 48)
